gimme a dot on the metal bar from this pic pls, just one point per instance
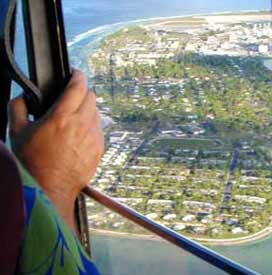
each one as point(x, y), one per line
point(5, 80)
point(82, 220)
point(49, 69)
point(38, 74)
point(171, 236)
point(46, 49)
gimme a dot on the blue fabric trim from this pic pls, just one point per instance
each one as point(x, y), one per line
point(31, 194)
point(30, 198)
point(90, 268)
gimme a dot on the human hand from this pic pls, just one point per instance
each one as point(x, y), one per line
point(63, 149)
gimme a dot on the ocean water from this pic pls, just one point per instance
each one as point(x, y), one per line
point(84, 15)
point(87, 22)
point(121, 256)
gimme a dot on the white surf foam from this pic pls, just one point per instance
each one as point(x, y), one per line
point(107, 28)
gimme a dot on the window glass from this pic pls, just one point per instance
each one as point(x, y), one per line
point(116, 251)
point(184, 89)
point(20, 47)
point(187, 103)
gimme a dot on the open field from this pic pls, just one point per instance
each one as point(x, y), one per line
point(225, 18)
point(185, 143)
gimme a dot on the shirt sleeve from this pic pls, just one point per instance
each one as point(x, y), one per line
point(49, 246)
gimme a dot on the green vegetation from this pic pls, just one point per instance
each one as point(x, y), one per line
point(236, 91)
point(183, 143)
point(199, 156)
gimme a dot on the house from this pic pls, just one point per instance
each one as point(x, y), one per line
point(179, 227)
point(188, 218)
point(237, 230)
point(152, 216)
point(250, 199)
point(169, 217)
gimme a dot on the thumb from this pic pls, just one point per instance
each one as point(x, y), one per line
point(18, 115)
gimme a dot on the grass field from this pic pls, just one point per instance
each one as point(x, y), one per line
point(174, 143)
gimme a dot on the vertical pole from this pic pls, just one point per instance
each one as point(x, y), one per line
point(5, 83)
point(49, 68)
point(82, 220)
point(5, 91)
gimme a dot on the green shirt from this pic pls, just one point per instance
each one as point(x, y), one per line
point(49, 246)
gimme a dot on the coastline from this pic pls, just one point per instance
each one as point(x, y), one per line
point(82, 45)
point(109, 27)
point(257, 242)
point(259, 236)
point(253, 254)
point(250, 239)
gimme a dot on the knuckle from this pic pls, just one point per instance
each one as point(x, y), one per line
point(78, 82)
point(82, 80)
point(81, 75)
point(97, 141)
point(101, 146)
point(92, 99)
point(59, 122)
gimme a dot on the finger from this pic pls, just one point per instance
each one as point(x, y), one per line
point(98, 119)
point(18, 114)
point(95, 122)
point(73, 95)
point(88, 106)
point(100, 133)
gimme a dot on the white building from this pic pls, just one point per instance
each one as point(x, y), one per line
point(263, 49)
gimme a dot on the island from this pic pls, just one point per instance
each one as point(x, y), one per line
point(189, 101)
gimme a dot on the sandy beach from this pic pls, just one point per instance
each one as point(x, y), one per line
point(238, 18)
point(265, 233)
point(202, 20)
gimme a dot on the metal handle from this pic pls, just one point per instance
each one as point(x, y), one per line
point(48, 59)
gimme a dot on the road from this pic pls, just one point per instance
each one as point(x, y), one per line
point(227, 193)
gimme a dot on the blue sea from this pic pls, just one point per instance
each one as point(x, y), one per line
point(84, 15)
point(88, 21)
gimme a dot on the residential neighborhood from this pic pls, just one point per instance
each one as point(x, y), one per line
point(187, 192)
point(189, 138)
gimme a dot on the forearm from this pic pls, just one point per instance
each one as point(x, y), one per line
point(59, 186)
point(65, 205)
point(63, 201)
point(62, 149)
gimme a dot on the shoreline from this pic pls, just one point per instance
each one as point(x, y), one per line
point(109, 27)
point(247, 240)
point(103, 30)
point(85, 43)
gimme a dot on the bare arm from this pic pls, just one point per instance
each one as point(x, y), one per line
point(63, 149)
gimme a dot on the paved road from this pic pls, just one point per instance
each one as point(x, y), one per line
point(229, 182)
